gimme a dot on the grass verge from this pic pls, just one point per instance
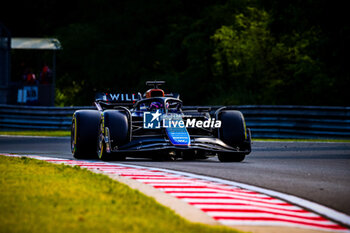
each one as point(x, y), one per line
point(37, 196)
point(55, 133)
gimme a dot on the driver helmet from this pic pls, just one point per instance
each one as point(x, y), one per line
point(156, 105)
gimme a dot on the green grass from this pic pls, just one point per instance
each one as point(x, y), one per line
point(55, 133)
point(37, 196)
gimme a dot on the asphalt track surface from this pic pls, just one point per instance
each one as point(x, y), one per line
point(319, 172)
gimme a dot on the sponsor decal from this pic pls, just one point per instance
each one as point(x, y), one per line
point(29, 94)
point(123, 97)
point(176, 130)
point(178, 136)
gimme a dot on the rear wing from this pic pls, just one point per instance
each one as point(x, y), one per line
point(155, 84)
point(118, 99)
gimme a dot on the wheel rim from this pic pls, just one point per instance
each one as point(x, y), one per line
point(72, 139)
point(100, 143)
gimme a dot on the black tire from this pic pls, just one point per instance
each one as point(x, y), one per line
point(84, 133)
point(233, 132)
point(117, 123)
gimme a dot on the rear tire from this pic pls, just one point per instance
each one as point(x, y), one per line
point(84, 133)
point(233, 132)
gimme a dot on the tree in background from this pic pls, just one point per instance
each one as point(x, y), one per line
point(211, 52)
point(259, 68)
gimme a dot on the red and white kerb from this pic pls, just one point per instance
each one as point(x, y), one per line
point(230, 205)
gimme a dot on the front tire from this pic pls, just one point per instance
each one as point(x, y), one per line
point(114, 130)
point(101, 145)
point(84, 132)
point(102, 150)
point(234, 133)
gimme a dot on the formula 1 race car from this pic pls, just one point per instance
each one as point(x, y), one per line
point(156, 125)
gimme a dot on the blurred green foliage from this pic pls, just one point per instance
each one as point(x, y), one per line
point(255, 67)
point(211, 52)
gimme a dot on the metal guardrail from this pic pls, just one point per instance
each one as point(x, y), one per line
point(37, 118)
point(265, 121)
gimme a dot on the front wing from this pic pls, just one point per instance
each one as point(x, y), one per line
point(160, 143)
